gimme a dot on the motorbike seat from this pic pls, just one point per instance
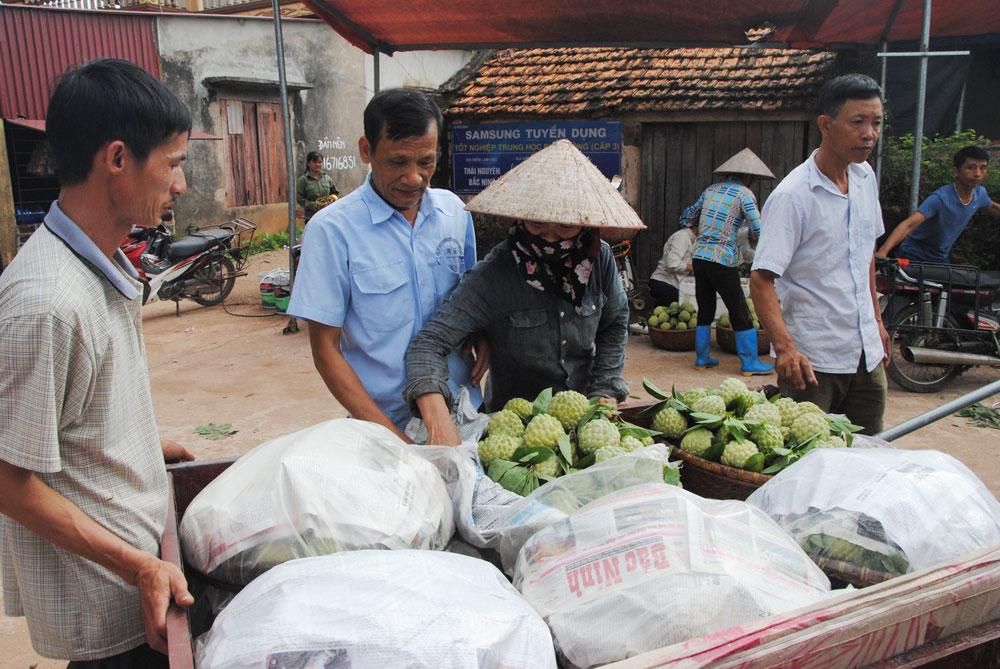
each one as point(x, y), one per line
point(196, 242)
point(965, 278)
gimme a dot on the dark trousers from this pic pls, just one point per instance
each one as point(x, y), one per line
point(142, 657)
point(663, 293)
point(711, 278)
point(859, 396)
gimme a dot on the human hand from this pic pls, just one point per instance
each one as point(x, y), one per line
point(886, 343)
point(795, 369)
point(442, 433)
point(609, 401)
point(174, 452)
point(881, 254)
point(479, 348)
point(159, 583)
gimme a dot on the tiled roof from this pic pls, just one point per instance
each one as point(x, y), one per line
point(604, 81)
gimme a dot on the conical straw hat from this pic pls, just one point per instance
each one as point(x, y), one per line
point(557, 185)
point(745, 162)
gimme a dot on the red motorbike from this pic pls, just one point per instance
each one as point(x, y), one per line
point(202, 266)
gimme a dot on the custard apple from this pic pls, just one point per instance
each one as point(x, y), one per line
point(670, 422)
point(607, 452)
point(697, 441)
point(569, 407)
point(694, 394)
point(767, 437)
point(789, 410)
point(731, 389)
point(711, 404)
point(596, 434)
point(811, 406)
point(505, 422)
point(630, 443)
point(737, 453)
point(498, 447)
point(543, 430)
point(831, 442)
point(808, 424)
point(548, 467)
point(520, 406)
point(647, 441)
point(766, 413)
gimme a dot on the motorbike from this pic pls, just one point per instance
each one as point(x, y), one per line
point(203, 266)
point(941, 319)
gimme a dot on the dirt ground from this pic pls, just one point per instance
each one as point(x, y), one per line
point(212, 365)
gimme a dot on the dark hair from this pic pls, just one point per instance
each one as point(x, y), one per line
point(313, 155)
point(107, 100)
point(403, 112)
point(839, 90)
point(967, 152)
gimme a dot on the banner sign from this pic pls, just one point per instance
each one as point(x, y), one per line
point(481, 152)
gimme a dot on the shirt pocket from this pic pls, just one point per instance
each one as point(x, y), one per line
point(529, 336)
point(447, 265)
point(586, 322)
point(382, 300)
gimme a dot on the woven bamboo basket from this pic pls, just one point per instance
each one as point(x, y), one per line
point(672, 340)
point(726, 339)
point(717, 481)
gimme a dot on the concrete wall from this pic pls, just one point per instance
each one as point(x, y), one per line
point(418, 69)
point(327, 117)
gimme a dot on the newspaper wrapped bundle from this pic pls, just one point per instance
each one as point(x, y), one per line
point(887, 511)
point(653, 565)
point(379, 610)
point(337, 486)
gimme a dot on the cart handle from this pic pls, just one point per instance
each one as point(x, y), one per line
point(940, 412)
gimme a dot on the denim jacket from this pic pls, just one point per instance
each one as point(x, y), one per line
point(536, 340)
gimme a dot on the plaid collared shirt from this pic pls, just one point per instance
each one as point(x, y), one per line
point(720, 211)
point(75, 409)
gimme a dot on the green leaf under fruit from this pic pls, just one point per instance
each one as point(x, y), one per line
point(541, 403)
point(532, 455)
point(566, 450)
point(653, 390)
point(754, 463)
point(714, 452)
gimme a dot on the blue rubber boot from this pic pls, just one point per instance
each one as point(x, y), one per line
point(746, 348)
point(703, 346)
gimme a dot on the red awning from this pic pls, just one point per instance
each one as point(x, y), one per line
point(39, 125)
point(390, 25)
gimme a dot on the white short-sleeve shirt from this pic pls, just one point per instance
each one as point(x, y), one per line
point(76, 409)
point(820, 243)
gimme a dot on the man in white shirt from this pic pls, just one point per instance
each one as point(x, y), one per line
point(813, 279)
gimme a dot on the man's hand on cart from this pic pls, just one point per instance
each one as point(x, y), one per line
point(174, 452)
point(159, 583)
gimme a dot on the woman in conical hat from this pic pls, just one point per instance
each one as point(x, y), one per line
point(720, 211)
point(548, 298)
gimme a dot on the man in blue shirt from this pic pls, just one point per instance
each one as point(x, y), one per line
point(378, 263)
point(930, 232)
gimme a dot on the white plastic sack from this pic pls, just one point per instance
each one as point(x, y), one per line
point(470, 423)
point(898, 510)
point(489, 516)
point(337, 486)
point(379, 610)
point(654, 565)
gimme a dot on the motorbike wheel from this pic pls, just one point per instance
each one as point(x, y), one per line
point(211, 283)
point(916, 377)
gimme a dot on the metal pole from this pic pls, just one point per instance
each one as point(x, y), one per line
point(279, 43)
point(961, 109)
point(947, 409)
point(878, 148)
point(375, 71)
point(918, 133)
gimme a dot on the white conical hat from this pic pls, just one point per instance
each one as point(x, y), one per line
point(557, 185)
point(745, 162)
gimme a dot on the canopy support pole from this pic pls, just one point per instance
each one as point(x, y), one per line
point(918, 132)
point(878, 147)
point(279, 44)
point(375, 71)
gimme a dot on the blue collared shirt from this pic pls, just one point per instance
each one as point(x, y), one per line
point(820, 243)
point(366, 270)
point(70, 233)
point(720, 211)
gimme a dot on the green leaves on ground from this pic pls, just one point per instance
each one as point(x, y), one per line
point(213, 431)
point(981, 416)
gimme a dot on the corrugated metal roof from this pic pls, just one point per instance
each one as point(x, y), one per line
point(37, 45)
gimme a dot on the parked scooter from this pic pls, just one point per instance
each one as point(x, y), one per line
point(202, 266)
point(942, 320)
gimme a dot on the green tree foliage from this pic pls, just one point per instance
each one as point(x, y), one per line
point(978, 244)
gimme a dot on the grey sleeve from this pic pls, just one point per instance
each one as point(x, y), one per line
point(606, 378)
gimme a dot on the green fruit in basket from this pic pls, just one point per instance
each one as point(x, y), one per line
point(767, 437)
point(665, 325)
point(543, 430)
point(670, 422)
point(647, 441)
point(505, 422)
point(811, 406)
point(831, 442)
point(653, 321)
point(711, 404)
point(737, 453)
point(765, 412)
point(597, 434)
point(687, 306)
point(498, 447)
point(693, 323)
point(732, 389)
point(659, 311)
point(569, 406)
point(681, 325)
point(548, 467)
point(696, 441)
point(630, 443)
point(809, 424)
point(724, 321)
point(674, 307)
point(522, 407)
point(693, 394)
point(684, 316)
point(607, 452)
point(789, 410)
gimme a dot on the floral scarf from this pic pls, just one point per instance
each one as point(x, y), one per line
point(560, 268)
